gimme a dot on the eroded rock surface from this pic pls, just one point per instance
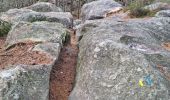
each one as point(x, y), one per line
point(16, 15)
point(44, 7)
point(157, 6)
point(163, 13)
point(10, 4)
point(31, 81)
point(99, 9)
point(126, 60)
point(36, 32)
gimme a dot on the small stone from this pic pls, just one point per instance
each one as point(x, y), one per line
point(97, 49)
point(139, 69)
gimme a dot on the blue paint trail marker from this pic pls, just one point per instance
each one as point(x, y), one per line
point(148, 80)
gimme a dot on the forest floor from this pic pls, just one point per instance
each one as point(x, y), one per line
point(63, 73)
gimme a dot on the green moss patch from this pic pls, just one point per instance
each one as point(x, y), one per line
point(4, 28)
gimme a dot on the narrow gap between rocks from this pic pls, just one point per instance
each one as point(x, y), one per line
point(64, 70)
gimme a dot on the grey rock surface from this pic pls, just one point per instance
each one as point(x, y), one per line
point(31, 82)
point(124, 61)
point(36, 32)
point(163, 13)
point(76, 23)
point(64, 18)
point(157, 6)
point(90, 25)
point(10, 4)
point(17, 15)
point(99, 9)
point(52, 49)
point(25, 82)
point(44, 7)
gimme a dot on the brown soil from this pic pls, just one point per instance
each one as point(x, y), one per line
point(166, 46)
point(22, 54)
point(63, 73)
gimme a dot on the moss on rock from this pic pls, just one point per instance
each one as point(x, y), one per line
point(4, 27)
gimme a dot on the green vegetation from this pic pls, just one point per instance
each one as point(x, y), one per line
point(136, 8)
point(166, 1)
point(4, 28)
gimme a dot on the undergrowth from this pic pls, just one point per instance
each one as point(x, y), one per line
point(4, 28)
point(136, 8)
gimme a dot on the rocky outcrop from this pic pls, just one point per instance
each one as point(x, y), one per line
point(44, 7)
point(163, 13)
point(16, 15)
point(36, 32)
point(89, 25)
point(9, 4)
point(99, 9)
point(31, 82)
point(157, 6)
point(124, 60)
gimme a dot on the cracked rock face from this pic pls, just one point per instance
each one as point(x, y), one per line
point(99, 9)
point(31, 82)
point(124, 61)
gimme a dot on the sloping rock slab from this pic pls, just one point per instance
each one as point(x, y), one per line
point(31, 82)
point(10, 4)
point(25, 82)
point(89, 25)
point(16, 15)
point(99, 9)
point(157, 6)
point(163, 13)
point(124, 61)
point(36, 32)
point(44, 7)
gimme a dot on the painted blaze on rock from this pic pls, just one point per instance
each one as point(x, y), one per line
point(124, 61)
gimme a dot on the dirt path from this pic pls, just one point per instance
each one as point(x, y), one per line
point(63, 73)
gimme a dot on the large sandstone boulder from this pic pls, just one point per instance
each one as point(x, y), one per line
point(36, 32)
point(89, 25)
point(64, 18)
point(124, 61)
point(10, 4)
point(31, 81)
point(99, 9)
point(16, 15)
point(163, 13)
point(44, 7)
